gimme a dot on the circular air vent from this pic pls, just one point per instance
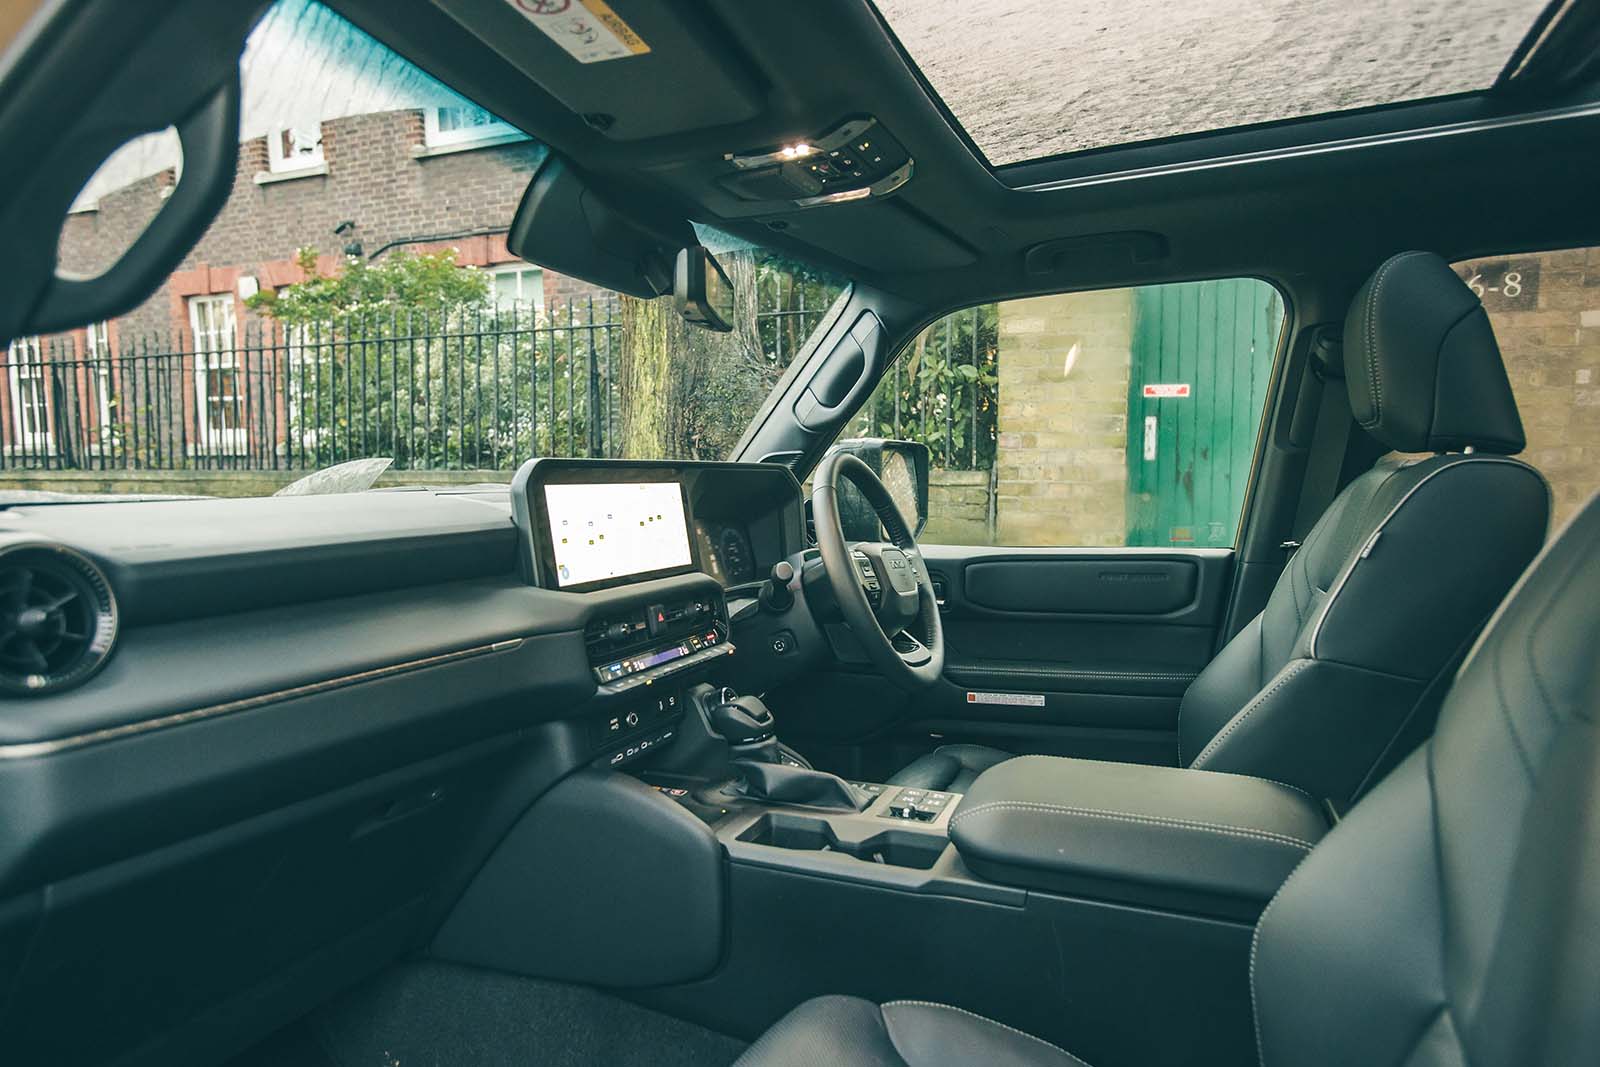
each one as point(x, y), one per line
point(58, 618)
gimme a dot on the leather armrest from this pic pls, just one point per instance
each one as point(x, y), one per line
point(1164, 836)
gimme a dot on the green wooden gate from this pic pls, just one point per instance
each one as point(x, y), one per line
point(1201, 360)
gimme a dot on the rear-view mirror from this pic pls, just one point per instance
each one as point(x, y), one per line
point(701, 290)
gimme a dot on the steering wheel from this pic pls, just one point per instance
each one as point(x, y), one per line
point(882, 588)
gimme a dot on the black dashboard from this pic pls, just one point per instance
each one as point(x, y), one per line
point(325, 710)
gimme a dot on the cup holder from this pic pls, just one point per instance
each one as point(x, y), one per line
point(892, 848)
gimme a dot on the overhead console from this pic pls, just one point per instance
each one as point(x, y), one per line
point(855, 160)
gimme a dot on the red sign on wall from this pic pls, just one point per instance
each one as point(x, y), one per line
point(1169, 389)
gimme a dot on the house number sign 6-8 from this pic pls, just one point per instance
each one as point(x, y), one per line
point(1504, 284)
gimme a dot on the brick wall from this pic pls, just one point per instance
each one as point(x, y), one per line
point(1061, 461)
point(375, 178)
point(1549, 333)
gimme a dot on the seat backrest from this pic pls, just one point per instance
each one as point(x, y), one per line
point(1341, 674)
point(1454, 916)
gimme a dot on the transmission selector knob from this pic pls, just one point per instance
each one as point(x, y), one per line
point(775, 594)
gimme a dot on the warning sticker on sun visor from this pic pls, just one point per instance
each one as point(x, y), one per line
point(587, 30)
point(1016, 700)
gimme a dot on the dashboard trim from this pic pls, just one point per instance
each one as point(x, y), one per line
point(33, 749)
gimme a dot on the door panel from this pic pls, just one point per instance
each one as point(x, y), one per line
point(1089, 650)
point(1070, 651)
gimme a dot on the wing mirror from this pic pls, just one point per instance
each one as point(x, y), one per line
point(902, 467)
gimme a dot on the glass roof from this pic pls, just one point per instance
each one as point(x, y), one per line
point(1034, 78)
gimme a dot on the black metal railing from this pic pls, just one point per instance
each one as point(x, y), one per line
point(943, 391)
point(478, 389)
point(452, 390)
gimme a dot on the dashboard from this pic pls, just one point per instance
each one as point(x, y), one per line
point(599, 524)
point(726, 549)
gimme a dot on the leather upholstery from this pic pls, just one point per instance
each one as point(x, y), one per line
point(1483, 945)
point(1188, 840)
point(949, 767)
point(902, 1033)
point(1341, 673)
point(1452, 918)
point(1421, 362)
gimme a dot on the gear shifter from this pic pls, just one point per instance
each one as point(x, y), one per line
point(769, 770)
point(741, 720)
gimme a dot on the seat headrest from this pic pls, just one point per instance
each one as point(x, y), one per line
point(1421, 362)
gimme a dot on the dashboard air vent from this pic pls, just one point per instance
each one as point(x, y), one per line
point(58, 618)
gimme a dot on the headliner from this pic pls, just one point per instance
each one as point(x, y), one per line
point(1504, 172)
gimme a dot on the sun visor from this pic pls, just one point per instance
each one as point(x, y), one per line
point(631, 68)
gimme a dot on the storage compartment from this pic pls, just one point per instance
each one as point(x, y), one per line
point(1183, 840)
point(805, 833)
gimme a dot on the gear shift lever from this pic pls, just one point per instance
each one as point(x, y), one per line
point(741, 720)
point(770, 771)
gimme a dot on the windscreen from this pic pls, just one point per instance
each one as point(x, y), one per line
point(600, 531)
point(355, 300)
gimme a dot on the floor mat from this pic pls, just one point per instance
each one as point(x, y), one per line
point(430, 1014)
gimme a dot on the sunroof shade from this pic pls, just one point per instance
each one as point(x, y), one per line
point(1035, 78)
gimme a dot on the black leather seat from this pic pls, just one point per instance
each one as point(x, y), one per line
point(1340, 675)
point(1453, 917)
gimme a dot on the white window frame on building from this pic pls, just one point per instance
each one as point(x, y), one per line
point(97, 372)
point(528, 286)
point(214, 326)
point(439, 130)
point(30, 397)
point(305, 384)
point(292, 149)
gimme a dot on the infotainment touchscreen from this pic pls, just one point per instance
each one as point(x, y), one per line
point(605, 530)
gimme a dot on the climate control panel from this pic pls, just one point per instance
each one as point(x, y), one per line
point(650, 643)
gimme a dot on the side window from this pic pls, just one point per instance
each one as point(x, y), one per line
point(1111, 418)
point(1545, 308)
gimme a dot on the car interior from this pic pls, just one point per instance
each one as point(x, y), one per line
point(782, 776)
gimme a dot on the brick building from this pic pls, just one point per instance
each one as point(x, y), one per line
point(420, 179)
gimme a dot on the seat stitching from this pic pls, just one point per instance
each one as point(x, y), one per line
point(984, 1019)
point(1255, 944)
point(1230, 774)
point(1234, 723)
point(1348, 567)
point(1375, 385)
point(1123, 816)
point(1274, 781)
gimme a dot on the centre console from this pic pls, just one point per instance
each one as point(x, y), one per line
point(642, 655)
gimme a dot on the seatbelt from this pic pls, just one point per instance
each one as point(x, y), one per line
point(1330, 439)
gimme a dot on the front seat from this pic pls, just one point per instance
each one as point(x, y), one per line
point(1341, 673)
point(1453, 917)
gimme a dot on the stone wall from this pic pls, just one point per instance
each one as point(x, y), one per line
point(959, 511)
point(1061, 460)
point(214, 482)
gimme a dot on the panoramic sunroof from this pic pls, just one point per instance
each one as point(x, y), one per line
point(1029, 79)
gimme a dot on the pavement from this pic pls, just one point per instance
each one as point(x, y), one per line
point(1035, 78)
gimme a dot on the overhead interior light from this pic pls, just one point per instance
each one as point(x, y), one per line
point(798, 150)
